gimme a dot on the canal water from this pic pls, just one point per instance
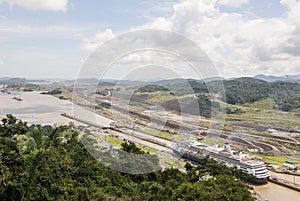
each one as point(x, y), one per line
point(274, 192)
point(45, 109)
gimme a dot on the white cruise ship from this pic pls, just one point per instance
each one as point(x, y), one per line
point(251, 165)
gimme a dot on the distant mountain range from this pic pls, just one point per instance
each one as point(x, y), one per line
point(286, 78)
point(8, 80)
point(267, 78)
point(17, 80)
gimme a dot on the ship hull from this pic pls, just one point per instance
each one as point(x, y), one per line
point(201, 161)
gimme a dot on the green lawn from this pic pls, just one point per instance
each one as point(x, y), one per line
point(274, 160)
point(173, 163)
point(117, 142)
point(114, 141)
point(148, 149)
point(158, 133)
point(212, 141)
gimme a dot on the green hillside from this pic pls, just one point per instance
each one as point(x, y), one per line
point(283, 96)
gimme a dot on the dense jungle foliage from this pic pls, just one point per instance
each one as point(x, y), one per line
point(47, 163)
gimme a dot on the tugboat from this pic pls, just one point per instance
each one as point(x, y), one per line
point(18, 98)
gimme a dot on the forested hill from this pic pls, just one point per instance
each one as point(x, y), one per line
point(286, 95)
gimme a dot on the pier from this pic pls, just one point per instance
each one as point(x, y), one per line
point(83, 121)
point(285, 183)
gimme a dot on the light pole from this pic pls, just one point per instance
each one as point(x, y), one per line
point(294, 176)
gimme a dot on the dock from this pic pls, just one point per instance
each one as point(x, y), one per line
point(83, 121)
point(285, 183)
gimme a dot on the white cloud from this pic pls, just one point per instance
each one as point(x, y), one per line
point(289, 3)
point(237, 45)
point(51, 5)
point(1, 61)
point(92, 43)
point(233, 3)
point(154, 8)
point(158, 23)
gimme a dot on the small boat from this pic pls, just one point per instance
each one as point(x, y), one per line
point(18, 98)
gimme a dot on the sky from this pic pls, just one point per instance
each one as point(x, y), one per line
point(53, 38)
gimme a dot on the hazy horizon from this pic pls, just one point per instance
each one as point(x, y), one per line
point(142, 79)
